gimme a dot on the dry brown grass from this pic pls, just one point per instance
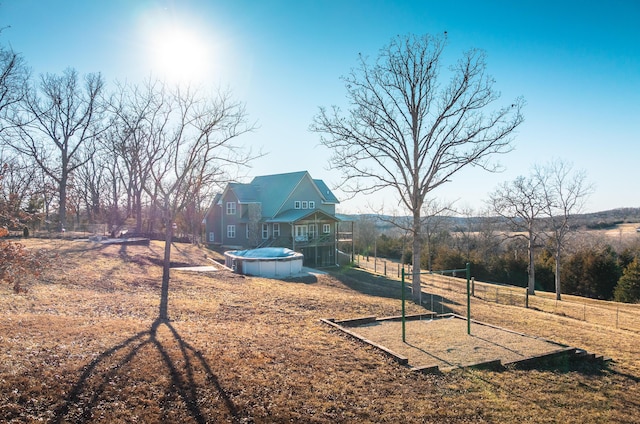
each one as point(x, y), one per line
point(85, 346)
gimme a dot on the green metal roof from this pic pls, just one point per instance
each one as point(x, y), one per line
point(246, 193)
point(325, 192)
point(274, 190)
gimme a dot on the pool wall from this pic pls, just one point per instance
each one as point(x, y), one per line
point(285, 266)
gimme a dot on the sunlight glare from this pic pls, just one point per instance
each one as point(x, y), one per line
point(179, 53)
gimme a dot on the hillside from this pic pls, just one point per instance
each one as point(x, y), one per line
point(602, 220)
point(83, 346)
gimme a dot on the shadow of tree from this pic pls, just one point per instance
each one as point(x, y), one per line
point(90, 389)
point(307, 279)
point(378, 285)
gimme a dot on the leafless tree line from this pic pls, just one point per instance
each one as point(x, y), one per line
point(540, 208)
point(149, 153)
point(68, 141)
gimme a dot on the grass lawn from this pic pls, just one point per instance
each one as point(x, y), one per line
point(84, 345)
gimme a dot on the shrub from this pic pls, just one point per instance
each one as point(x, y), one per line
point(18, 265)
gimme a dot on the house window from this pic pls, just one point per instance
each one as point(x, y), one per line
point(296, 204)
point(312, 204)
point(312, 231)
point(231, 231)
point(326, 228)
point(231, 208)
point(212, 236)
point(301, 233)
point(265, 231)
point(305, 204)
point(276, 230)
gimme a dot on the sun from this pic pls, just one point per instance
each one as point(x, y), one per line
point(178, 50)
point(180, 55)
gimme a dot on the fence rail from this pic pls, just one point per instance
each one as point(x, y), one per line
point(610, 314)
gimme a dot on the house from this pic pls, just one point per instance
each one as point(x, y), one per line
point(284, 210)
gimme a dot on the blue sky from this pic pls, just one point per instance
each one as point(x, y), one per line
point(576, 63)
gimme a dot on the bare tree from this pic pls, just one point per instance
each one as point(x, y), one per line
point(91, 186)
point(16, 190)
point(142, 114)
point(198, 151)
point(56, 123)
point(521, 202)
point(410, 131)
point(14, 76)
point(564, 194)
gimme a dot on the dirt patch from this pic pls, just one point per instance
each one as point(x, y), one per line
point(443, 343)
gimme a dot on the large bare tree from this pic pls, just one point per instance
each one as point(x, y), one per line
point(199, 149)
point(565, 193)
point(411, 126)
point(57, 121)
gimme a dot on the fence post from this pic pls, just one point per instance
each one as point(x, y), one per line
point(403, 316)
point(526, 298)
point(473, 286)
point(468, 269)
point(385, 268)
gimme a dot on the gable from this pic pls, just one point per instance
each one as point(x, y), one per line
point(274, 190)
point(278, 192)
point(243, 193)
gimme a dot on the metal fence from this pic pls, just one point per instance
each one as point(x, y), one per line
point(609, 314)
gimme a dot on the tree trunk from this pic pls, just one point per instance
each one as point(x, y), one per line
point(429, 267)
point(62, 206)
point(138, 212)
point(558, 291)
point(416, 287)
point(532, 271)
point(164, 295)
point(129, 212)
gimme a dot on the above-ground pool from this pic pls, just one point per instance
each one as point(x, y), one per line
point(265, 262)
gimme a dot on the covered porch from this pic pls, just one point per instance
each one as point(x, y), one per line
point(312, 233)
